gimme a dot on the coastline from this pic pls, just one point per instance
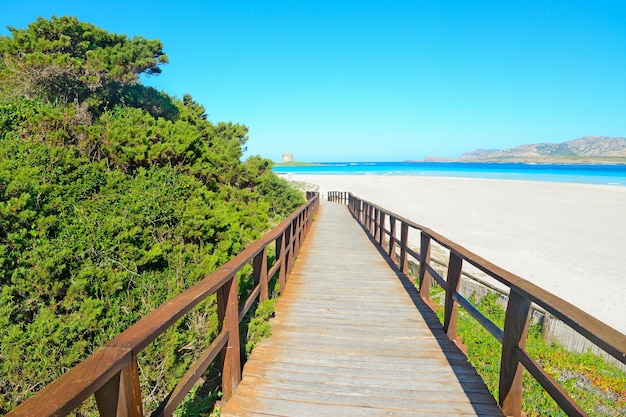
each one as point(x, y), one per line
point(567, 238)
point(434, 160)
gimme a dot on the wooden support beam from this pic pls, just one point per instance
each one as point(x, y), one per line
point(453, 279)
point(404, 241)
point(381, 228)
point(228, 317)
point(424, 275)
point(259, 266)
point(515, 330)
point(280, 255)
point(392, 240)
point(121, 395)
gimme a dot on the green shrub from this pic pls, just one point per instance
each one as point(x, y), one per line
point(113, 199)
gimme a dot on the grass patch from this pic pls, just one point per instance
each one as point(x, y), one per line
point(199, 402)
point(259, 326)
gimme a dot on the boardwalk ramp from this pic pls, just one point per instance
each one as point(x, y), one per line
point(352, 337)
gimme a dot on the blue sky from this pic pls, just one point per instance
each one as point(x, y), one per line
point(381, 81)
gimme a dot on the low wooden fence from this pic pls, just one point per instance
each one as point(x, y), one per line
point(112, 372)
point(521, 294)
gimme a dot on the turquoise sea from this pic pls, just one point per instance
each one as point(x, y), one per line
point(582, 174)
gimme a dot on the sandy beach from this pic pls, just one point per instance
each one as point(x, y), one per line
point(570, 239)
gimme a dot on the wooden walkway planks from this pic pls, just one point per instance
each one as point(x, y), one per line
point(351, 337)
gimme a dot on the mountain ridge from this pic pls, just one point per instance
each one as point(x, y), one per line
point(592, 149)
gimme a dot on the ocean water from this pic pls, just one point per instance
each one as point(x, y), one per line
point(578, 173)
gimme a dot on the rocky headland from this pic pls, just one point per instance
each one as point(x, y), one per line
point(589, 149)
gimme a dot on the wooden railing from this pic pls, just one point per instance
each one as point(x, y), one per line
point(112, 372)
point(522, 293)
point(340, 197)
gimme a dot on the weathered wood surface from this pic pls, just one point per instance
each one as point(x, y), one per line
point(351, 337)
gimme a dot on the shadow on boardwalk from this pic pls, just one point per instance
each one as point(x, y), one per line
point(352, 337)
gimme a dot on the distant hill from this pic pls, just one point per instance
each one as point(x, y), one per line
point(593, 149)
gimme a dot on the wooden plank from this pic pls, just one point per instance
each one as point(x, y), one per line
point(352, 337)
point(363, 385)
point(379, 361)
point(424, 372)
point(311, 408)
point(427, 401)
point(401, 364)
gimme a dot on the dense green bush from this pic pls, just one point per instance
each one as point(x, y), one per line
point(113, 198)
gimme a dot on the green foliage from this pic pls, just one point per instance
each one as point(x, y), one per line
point(113, 199)
point(597, 386)
point(259, 327)
point(198, 403)
point(68, 59)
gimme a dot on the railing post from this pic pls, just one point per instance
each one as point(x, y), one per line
point(404, 241)
point(288, 249)
point(121, 395)
point(374, 221)
point(392, 240)
point(228, 318)
point(362, 211)
point(259, 266)
point(362, 215)
point(424, 275)
point(307, 220)
point(455, 266)
point(515, 331)
point(296, 241)
point(299, 236)
point(373, 228)
point(281, 256)
point(381, 228)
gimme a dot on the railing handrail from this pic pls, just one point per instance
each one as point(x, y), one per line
point(111, 373)
point(522, 294)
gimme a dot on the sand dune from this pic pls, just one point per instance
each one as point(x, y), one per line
point(569, 239)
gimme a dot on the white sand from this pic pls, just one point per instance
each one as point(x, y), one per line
point(569, 239)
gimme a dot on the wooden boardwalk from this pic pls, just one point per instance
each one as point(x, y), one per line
point(351, 337)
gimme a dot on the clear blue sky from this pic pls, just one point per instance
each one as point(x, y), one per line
point(381, 81)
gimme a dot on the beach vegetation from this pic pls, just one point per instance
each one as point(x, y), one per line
point(596, 385)
point(114, 197)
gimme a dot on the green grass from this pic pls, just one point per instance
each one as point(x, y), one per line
point(259, 327)
point(597, 386)
point(199, 403)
